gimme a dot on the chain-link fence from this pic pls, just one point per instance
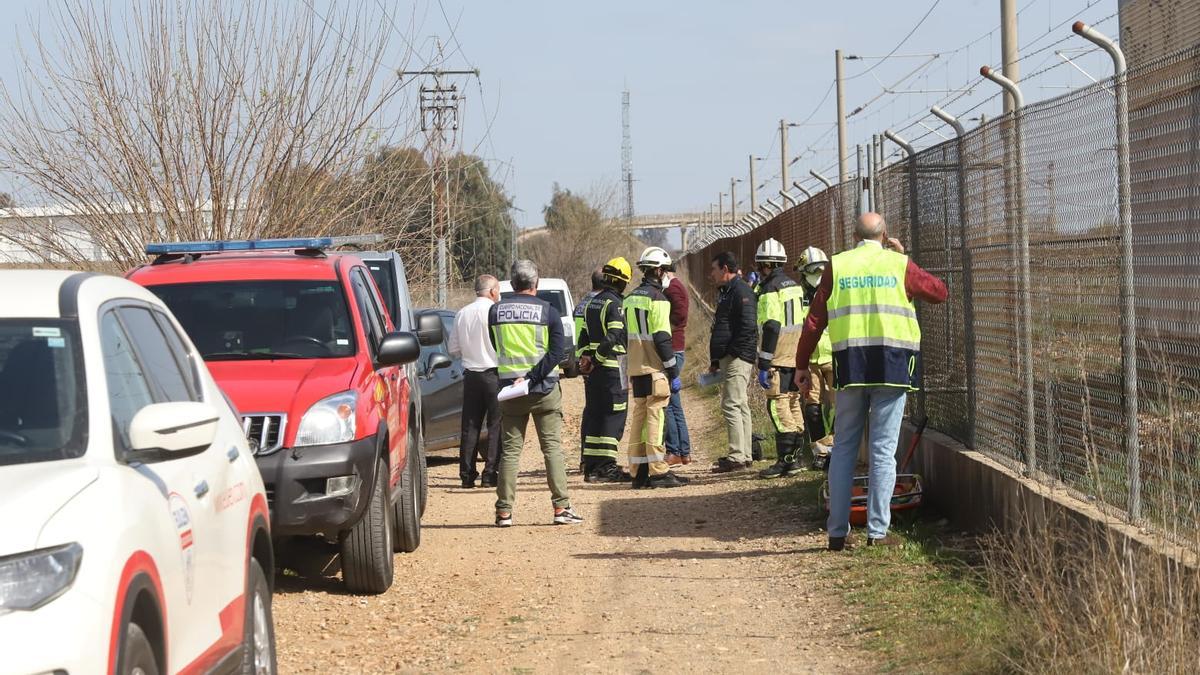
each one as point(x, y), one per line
point(1040, 384)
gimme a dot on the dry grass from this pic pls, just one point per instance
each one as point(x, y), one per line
point(1098, 600)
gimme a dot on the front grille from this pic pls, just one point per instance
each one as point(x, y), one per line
point(264, 431)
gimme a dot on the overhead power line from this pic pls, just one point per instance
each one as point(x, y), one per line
point(899, 44)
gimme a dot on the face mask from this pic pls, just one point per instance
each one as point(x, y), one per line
point(813, 280)
point(666, 281)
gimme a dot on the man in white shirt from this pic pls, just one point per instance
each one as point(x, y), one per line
point(481, 383)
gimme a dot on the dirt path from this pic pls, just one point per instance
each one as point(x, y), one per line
point(718, 575)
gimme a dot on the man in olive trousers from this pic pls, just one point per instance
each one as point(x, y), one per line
point(528, 336)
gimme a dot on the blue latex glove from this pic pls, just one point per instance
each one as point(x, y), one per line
point(676, 385)
point(764, 379)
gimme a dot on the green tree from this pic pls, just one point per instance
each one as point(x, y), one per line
point(482, 214)
point(568, 210)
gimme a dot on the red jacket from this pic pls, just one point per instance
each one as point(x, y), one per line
point(678, 297)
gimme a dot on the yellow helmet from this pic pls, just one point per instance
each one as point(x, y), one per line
point(618, 269)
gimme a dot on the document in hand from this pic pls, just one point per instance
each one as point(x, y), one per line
point(514, 391)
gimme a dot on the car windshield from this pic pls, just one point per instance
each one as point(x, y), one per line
point(557, 300)
point(43, 400)
point(258, 320)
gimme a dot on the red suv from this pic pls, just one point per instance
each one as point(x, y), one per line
point(299, 340)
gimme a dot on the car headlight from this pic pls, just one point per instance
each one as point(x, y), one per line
point(30, 580)
point(330, 420)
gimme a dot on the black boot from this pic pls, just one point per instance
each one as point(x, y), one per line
point(668, 480)
point(785, 465)
point(641, 479)
point(814, 422)
point(756, 452)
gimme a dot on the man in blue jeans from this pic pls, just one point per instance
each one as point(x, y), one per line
point(678, 443)
point(865, 299)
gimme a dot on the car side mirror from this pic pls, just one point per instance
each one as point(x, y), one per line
point(398, 349)
point(163, 431)
point(435, 362)
point(429, 329)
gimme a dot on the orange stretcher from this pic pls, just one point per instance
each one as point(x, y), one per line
point(907, 494)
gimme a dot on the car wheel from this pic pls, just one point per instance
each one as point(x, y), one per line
point(367, 565)
point(258, 630)
point(408, 507)
point(138, 654)
point(423, 483)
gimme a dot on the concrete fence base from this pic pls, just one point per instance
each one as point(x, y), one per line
point(979, 494)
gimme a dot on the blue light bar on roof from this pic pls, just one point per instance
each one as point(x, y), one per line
point(180, 247)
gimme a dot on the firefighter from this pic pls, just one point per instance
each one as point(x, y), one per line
point(780, 319)
point(602, 359)
point(581, 342)
point(818, 405)
point(653, 373)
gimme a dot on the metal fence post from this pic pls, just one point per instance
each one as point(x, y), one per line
point(833, 228)
point(1026, 348)
point(914, 229)
point(1132, 442)
point(968, 277)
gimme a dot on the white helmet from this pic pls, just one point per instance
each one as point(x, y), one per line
point(771, 252)
point(812, 259)
point(812, 265)
point(653, 258)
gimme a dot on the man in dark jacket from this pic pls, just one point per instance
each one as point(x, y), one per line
point(732, 350)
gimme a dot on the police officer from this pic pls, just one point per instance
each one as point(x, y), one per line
point(602, 359)
point(653, 373)
point(528, 336)
point(780, 319)
point(818, 405)
point(866, 299)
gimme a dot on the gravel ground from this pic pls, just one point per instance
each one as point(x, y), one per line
point(717, 575)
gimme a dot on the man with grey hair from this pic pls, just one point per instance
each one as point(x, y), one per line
point(865, 300)
point(470, 341)
point(528, 336)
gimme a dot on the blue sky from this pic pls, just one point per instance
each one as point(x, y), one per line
point(709, 81)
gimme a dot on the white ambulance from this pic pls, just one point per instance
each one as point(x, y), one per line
point(133, 523)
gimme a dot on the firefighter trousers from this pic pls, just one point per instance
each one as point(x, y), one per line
point(647, 424)
point(606, 406)
point(784, 406)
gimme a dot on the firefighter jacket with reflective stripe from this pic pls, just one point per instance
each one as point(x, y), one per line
point(528, 335)
point(872, 323)
point(824, 351)
point(604, 329)
point(780, 318)
point(577, 317)
point(648, 331)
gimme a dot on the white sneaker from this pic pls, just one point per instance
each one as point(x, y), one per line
point(566, 517)
point(503, 519)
